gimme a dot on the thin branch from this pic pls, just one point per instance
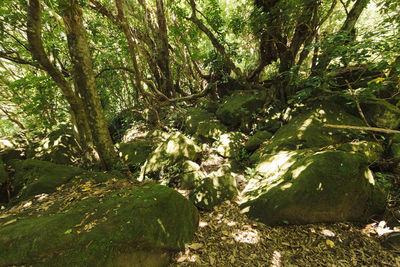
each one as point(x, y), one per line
point(361, 128)
point(345, 8)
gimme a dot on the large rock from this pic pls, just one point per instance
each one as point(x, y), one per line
point(133, 227)
point(136, 152)
point(382, 114)
point(255, 141)
point(203, 125)
point(175, 150)
point(191, 175)
point(213, 191)
point(237, 110)
point(304, 186)
point(231, 145)
point(59, 147)
point(33, 177)
point(306, 131)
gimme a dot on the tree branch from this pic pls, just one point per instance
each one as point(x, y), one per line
point(361, 128)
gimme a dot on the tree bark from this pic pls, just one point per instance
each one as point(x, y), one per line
point(34, 33)
point(348, 26)
point(85, 82)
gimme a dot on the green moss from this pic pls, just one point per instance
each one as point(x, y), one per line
point(254, 142)
point(306, 131)
point(237, 109)
point(146, 221)
point(136, 153)
point(308, 187)
point(203, 125)
point(212, 192)
point(382, 114)
point(231, 145)
point(175, 150)
point(33, 177)
point(373, 151)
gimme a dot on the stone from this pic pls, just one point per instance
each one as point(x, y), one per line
point(371, 150)
point(306, 131)
point(237, 109)
point(304, 186)
point(202, 124)
point(255, 141)
point(174, 151)
point(141, 226)
point(382, 114)
point(191, 175)
point(230, 145)
point(213, 191)
point(136, 152)
point(33, 177)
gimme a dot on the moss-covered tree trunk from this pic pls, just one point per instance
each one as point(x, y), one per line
point(84, 80)
point(78, 115)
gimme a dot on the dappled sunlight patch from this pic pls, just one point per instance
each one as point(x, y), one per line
point(296, 172)
point(369, 176)
point(286, 186)
point(249, 236)
point(276, 259)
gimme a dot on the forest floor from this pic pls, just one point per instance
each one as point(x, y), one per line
point(226, 237)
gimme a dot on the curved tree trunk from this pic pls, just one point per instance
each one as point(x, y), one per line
point(85, 83)
point(348, 26)
point(34, 31)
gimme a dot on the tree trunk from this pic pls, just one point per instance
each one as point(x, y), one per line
point(85, 83)
point(34, 33)
point(348, 26)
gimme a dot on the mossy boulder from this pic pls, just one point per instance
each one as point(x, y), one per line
point(136, 152)
point(213, 191)
point(371, 150)
point(133, 227)
point(304, 186)
point(306, 131)
point(202, 124)
point(382, 114)
point(255, 141)
point(59, 147)
point(237, 109)
point(191, 175)
point(33, 177)
point(174, 151)
point(230, 145)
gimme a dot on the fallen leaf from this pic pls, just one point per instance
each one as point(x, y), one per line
point(68, 231)
point(196, 246)
point(9, 222)
point(212, 259)
point(330, 243)
point(328, 233)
